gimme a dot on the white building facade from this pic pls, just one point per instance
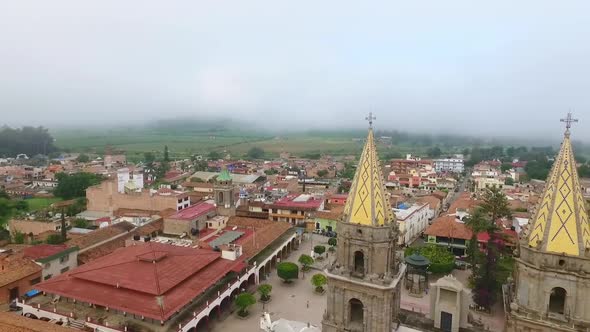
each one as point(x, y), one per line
point(453, 165)
point(412, 222)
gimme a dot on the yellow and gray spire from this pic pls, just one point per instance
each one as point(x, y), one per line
point(561, 222)
point(367, 203)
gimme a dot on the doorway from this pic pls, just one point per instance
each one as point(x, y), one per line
point(13, 293)
point(446, 321)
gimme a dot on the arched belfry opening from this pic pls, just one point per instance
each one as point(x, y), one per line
point(557, 300)
point(359, 262)
point(356, 311)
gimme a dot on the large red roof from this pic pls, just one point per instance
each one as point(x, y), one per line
point(132, 278)
point(193, 211)
point(43, 250)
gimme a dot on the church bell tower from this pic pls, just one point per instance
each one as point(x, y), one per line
point(364, 282)
point(551, 289)
point(223, 190)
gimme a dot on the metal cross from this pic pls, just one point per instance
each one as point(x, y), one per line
point(568, 122)
point(370, 118)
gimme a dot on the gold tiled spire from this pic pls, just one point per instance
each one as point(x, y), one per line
point(367, 203)
point(561, 222)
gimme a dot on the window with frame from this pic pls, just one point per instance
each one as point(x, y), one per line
point(64, 258)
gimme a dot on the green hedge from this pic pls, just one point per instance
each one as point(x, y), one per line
point(442, 261)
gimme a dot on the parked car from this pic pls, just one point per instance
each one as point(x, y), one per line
point(462, 265)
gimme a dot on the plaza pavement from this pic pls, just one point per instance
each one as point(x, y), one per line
point(297, 301)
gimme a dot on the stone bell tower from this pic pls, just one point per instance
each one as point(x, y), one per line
point(223, 190)
point(364, 282)
point(551, 289)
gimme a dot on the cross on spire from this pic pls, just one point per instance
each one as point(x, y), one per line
point(568, 122)
point(370, 118)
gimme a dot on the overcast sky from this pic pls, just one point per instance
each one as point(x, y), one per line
point(500, 68)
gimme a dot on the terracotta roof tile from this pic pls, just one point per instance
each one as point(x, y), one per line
point(134, 278)
point(110, 246)
point(15, 267)
point(266, 232)
point(43, 250)
point(100, 235)
point(464, 204)
point(432, 201)
point(447, 226)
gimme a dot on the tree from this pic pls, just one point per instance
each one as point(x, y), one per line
point(78, 206)
point(505, 166)
point(538, 169)
point(349, 170)
point(255, 153)
point(54, 239)
point(271, 171)
point(306, 261)
point(18, 237)
point(434, 152)
point(214, 155)
point(318, 281)
point(21, 205)
point(166, 155)
point(319, 250)
point(477, 223)
point(332, 242)
point(149, 158)
point(495, 203)
point(584, 171)
point(287, 271)
point(264, 291)
point(74, 185)
point(81, 223)
point(442, 261)
point(509, 181)
point(322, 173)
point(28, 140)
point(83, 158)
point(487, 274)
point(7, 210)
point(243, 301)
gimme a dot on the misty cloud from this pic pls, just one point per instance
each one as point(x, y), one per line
point(499, 68)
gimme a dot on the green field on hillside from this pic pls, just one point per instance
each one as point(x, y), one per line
point(137, 142)
point(39, 203)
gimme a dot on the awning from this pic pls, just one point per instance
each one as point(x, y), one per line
point(32, 293)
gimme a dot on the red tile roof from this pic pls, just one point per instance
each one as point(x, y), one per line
point(114, 244)
point(447, 226)
point(132, 279)
point(290, 202)
point(43, 250)
point(194, 211)
point(266, 232)
point(15, 268)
